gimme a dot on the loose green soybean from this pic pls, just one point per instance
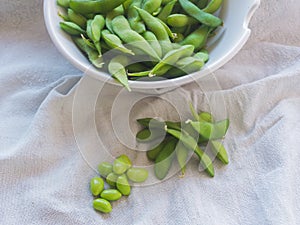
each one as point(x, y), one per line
point(121, 164)
point(111, 179)
point(96, 185)
point(111, 194)
point(102, 205)
point(137, 175)
point(105, 168)
point(123, 185)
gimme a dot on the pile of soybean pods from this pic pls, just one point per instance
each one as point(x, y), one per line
point(181, 138)
point(144, 38)
point(118, 176)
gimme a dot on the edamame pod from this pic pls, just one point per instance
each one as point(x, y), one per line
point(206, 116)
point(134, 18)
point(151, 5)
point(137, 175)
point(191, 143)
point(92, 54)
point(116, 68)
point(203, 17)
point(158, 124)
point(202, 4)
point(71, 28)
point(94, 28)
point(102, 205)
point(197, 38)
point(115, 42)
point(153, 153)
point(218, 149)
point(180, 20)
point(112, 14)
point(172, 57)
point(213, 6)
point(122, 28)
point(77, 18)
point(96, 185)
point(147, 135)
point(63, 3)
point(94, 6)
point(202, 55)
point(123, 185)
point(182, 155)
point(111, 194)
point(166, 11)
point(152, 40)
point(164, 159)
point(105, 168)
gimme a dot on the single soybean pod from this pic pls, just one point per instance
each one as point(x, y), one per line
point(134, 18)
point(123, 185)
point(92, 54)
point(94, 6)
point(151, 5)
point(203, 55)
point(77, 18)
point(115, 42)
point(153, 153)
point(166, 11)
point(191, 143)
point(155, 123)
point(164, 159)
point(219, 150)
point(182, 155)
point(112, 14)
point(139, 74)
point(154, 25)
point(202, 4)
point(206, 116)
point(71, 28)
point(172, 57)
point(197, 38)
point(147, 135)
point(203, 17)
point(122, 28)
point(168, 29)
point(152, 40)
point(213, 6)
point(116, 68)
point(180, 20)
point(102, 205)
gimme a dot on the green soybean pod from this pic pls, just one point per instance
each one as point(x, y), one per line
point(134, 18)
point(180, 20)
point(112, 14)
point(179, 37)
point(63, 3)
point(126, 5)
point(164, 2)
point(92, 54)
point(182, 155)
point(115, 42)
point(152, 40)
point(136, 67)
point(213, 6)
point(154, 25)
point(172, 57)
point(111, 194)
point(168, 29)
point(191, 143)
point(105, 168)
point(219, 150)
point(96, 185)
point(147, 135)
point(206, 116)
point(166, 11)
point(203, 55)
point(122, 28)
point(190, 64)
point(123, 185)
point(111, 179)
point(203, 17)
point(153, 153)
point(77, 18)
point(139, 74)
point(164, 159)
point(116, 68)
point(197, 38)
point(71, 28)
point(137, 175)
point(205, 129)
point(220, 129)
point(151, 5)
point(155, 123)
point(102, 205)
point(94, 6)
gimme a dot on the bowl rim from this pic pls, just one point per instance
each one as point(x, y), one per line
point(161, 84)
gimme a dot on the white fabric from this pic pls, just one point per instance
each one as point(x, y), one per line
point(44, 178)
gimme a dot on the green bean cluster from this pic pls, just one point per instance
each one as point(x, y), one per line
point(148, 37)
point(182, 138)
point(118, 176)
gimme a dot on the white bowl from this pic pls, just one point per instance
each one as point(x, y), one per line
point(236, 15)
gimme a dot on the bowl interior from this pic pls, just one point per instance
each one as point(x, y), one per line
point(229, 40)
